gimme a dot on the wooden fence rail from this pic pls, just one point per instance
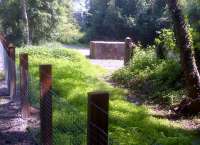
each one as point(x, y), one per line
point(98, 102)
point(98, 105)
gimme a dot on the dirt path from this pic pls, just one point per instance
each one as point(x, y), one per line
point(110, 65)
point(13, 128)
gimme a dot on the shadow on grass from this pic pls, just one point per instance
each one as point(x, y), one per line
point(128, 124)
point(133, 125)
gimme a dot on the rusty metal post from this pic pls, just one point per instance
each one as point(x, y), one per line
point(97, 133)
point(128, 50)
point(46, 104)
point(24, 85)
point(12, 70)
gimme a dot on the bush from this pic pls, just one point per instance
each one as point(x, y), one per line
point(156, 78)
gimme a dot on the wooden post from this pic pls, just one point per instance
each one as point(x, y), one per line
point(24, 85)
point(128, 50)
point(12, 70)
point(97, 133)
point(46, 104)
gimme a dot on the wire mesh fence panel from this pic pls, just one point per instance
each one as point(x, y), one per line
point(12, 124)
point(69, 124)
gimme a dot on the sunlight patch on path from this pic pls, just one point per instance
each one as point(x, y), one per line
point(110, 65)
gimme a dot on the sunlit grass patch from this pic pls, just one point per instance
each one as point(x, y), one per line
point(2, 75)
point(73, 78)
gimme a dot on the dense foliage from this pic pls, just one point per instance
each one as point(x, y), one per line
point(155, 71)
point(155, 79)
point(48, 20)
point(106, 20)
point(117, 19)
point(193, 11)
point(140, 19)
point(73, 78)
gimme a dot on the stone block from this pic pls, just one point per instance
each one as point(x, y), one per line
point(107, 50)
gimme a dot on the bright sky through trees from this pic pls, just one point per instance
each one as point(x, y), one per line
point(79, 5)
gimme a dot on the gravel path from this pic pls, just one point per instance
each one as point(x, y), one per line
point(13, 128)
point(110, 65)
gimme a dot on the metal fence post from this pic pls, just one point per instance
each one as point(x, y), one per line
point(24, 84)
point(128, 50)
point(46, 104)
point(97, 133)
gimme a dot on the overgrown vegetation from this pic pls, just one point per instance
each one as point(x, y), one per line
point(157, 79)
point(74, 77)
point(155, 71)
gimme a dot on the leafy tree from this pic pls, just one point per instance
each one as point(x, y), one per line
point(23, 4)
point(165, 42)
point(117, 19)
point(46, 20)
point(11, 20)
point(153, 19)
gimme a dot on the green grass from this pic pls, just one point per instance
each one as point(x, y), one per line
point(2, 76)
point(73, 78)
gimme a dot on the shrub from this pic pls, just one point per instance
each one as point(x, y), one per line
point(156, 78)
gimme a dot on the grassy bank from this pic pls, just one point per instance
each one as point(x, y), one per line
point(73, 78)
point(157, 80)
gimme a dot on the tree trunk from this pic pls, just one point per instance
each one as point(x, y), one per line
point(188, 63)
point(197, 57)
point(25, 22)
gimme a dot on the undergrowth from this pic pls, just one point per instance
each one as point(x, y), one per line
point(159, 80)
point(73, 78)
